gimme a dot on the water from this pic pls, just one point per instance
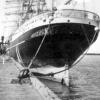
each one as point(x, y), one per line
point(84, 81)
point(9, 91)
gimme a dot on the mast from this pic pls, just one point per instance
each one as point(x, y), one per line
point(52, 5)
point(84, 5)
point(38, 7)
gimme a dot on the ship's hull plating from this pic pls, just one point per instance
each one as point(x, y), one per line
point(64, 43)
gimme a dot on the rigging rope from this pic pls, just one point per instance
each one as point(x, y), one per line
point(88, 47)
point(89, 43)
point(85, 33)
point(34, 57)
point(39, 47)
point(52, 74)
point(29, 6)
point(19, 56)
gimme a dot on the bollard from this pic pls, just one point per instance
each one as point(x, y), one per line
point(66, 78)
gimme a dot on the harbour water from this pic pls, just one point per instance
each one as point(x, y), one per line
point(84, 81)
point(14, 91)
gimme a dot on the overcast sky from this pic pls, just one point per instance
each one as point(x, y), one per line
point(92, 5)
point(95, 48)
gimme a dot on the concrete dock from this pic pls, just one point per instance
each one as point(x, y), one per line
point(9, 70)
point(8, 91)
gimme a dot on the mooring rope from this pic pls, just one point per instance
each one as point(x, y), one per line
point(34, 57)
point(87, 48)
point(52, 74)
point(85, 33)
point(19, 56)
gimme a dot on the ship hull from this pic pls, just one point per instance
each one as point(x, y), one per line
point(63, 44)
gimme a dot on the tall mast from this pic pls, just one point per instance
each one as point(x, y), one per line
point(38, 6)
point(84, 4)
point(52, 5)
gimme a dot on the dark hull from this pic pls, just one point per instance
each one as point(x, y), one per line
point(63, 45)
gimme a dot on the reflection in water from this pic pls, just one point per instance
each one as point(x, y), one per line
point(84, 81)
point(63, 92)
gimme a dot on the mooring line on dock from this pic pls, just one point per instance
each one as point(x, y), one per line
point(42, 89)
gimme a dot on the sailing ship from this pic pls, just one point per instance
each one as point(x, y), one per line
point(52, 36)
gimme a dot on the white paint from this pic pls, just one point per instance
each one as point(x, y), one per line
point(66, 78)
point(3, 60)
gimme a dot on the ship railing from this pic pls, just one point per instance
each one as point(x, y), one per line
point(73, 13)
point(70, 13)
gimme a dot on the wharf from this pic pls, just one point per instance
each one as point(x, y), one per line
point(9, 70)
point(9, 91)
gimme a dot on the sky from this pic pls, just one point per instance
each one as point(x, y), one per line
point(1, 16)
point(91, 5)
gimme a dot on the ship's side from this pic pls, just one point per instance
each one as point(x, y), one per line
point(67, 34)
